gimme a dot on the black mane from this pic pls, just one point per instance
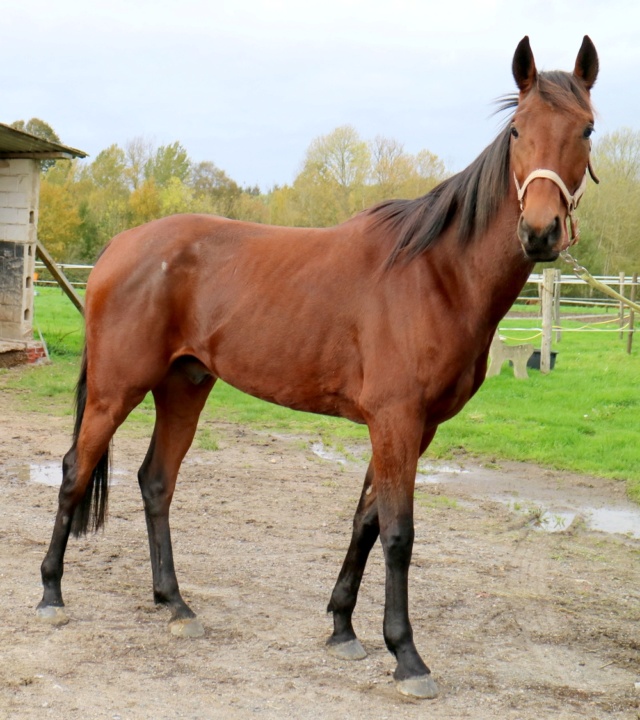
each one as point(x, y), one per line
point(472, 196)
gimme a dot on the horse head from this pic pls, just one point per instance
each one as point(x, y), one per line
point(550, 148)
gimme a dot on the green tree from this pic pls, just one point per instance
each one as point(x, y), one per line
point(214, 190)
point(145, 203)
point(37, 127)
point(42, 130)
point(168, 162)
point(103, 188)
point(109, 169)
point(610, 212)
point(59, 222)
point(175, 197)
point(331, 186)
point(391, 167)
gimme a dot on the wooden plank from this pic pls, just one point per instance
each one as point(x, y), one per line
point(557, 288)
point(548, 280)
point(632, 313)
point(621, 279)
point(60, 277)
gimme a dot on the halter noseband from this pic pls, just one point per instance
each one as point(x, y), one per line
point(570, 200)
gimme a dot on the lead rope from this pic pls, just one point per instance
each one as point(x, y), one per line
point(582, 273)
point(572, 203)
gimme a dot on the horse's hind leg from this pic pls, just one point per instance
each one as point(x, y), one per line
point(343, 642)
point(88, 454)
point(179, 400)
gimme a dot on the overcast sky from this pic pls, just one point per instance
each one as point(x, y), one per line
point(248, 84)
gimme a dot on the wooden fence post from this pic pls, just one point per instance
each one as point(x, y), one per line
point(632, 294)
point(557, 288)
point(548, 282)
point(622, 277)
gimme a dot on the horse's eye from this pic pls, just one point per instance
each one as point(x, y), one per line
point(514, 132)
point(588, 131)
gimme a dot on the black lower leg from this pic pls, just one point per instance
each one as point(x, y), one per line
point(157, 497)
point(52, 566)
point(165, 583)
point(397, 541)
point(345, 593)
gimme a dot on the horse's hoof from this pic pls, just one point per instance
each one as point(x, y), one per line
point(52, 614)
point(422, 686)
point(350, 650)
point(187, 628)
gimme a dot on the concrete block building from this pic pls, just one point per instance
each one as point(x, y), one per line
point(20, 156)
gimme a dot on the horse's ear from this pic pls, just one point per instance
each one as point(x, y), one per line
point(587, 63)
point(524, 66)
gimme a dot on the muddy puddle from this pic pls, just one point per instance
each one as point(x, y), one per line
point(553, 501)
point(44, 473)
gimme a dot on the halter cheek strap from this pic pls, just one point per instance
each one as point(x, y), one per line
point(570, 200)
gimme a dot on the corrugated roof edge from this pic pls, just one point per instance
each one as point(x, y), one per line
point(18, 144)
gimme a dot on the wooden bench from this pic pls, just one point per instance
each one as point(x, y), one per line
point(499, 353)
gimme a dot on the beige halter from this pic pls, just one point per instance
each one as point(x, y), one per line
point(571, 200)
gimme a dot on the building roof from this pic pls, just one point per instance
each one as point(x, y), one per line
point(17, 144)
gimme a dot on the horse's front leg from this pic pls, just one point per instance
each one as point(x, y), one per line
point(397, 444)
point(343, 643)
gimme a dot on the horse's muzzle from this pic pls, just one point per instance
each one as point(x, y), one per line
point(541, 244)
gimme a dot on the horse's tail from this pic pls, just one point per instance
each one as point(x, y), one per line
point(91, 511)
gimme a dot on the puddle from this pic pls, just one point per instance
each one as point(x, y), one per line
point(619, 521)
point(46, 473)
point(553, 502)
point(428, 473)
point(625, 522)
point(50, 474)
point(431, 473)
point(319, 449)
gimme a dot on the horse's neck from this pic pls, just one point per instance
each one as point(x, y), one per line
point(494, 268)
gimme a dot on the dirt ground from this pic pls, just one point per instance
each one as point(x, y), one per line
point(515, 622)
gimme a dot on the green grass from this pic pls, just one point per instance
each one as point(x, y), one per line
point(582, 417)
point(59, 322)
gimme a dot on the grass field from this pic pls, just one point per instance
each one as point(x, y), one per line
point(583, 416)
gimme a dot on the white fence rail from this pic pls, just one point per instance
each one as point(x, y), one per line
point(549, 288)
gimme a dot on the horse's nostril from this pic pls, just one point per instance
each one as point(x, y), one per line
point(540, 243)
point(540, 236)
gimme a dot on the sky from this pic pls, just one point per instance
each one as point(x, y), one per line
point(248, 84)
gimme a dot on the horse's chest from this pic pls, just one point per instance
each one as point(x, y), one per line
point(449, 389)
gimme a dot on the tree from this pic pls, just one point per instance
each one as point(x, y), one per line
point(175, 197)
point(37, 127)
point(331, 186)
point(109, 169)
point(42, 130)
point(145, 203)
point(104, 190)
point(138, 152)
point(59, 222)
point(169, 161)
point(610, 213)
point(215, 190)
point(391, 167)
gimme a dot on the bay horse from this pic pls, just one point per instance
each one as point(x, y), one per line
point(385, 319)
